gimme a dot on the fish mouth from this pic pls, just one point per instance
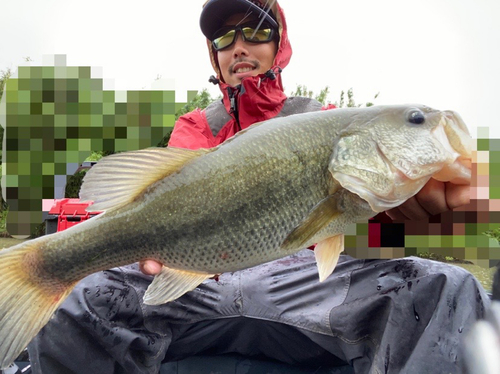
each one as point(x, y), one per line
point(454, 137)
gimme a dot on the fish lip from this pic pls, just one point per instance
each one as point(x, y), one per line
point(458, 168)
point(452, 116)
point(440, 135)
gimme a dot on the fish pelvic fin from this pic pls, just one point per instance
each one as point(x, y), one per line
point(171, 284)
point(327, 254)
point(26, 300)
point(318, 218)
point(119, 179)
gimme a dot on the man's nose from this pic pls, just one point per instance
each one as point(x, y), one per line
point(239, 47)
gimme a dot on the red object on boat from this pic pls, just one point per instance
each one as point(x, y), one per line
point(70, 212)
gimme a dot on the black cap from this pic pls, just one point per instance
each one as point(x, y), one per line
point(216, 12)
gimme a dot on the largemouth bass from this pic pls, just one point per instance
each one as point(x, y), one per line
point(273, 189)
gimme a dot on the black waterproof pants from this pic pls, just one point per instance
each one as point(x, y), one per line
point(397, 316)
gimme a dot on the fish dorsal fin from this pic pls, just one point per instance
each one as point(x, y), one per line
point(171, 284)
point(327, 254)
point(118, 179)
point(318, 218)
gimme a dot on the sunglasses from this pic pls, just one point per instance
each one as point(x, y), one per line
point(226, 36)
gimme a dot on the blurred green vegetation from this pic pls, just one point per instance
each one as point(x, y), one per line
point(494, 234)
point(323, 97)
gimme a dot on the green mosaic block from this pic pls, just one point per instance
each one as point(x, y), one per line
point(483, 144)
point(54, 117)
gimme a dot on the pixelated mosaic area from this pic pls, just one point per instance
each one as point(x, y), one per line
point(457, 234)
point(54, 117)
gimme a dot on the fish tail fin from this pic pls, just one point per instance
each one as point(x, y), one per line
point(26, 300)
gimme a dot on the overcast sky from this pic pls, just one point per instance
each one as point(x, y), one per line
point(441, 53)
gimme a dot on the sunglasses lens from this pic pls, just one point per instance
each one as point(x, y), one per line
point(257, 36)
point(224, 40)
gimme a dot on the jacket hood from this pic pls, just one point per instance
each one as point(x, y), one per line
point(281, 59)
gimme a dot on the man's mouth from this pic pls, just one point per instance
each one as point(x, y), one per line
point(243, 67)
point(243, 70)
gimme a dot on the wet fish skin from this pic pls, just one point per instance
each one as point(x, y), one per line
point(270, 191)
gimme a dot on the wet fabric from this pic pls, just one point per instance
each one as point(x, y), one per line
point(397, 316)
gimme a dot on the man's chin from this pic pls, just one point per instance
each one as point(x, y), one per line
point(236, 78)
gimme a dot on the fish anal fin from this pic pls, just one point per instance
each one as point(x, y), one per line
point(327, 254)
point(118, 179)
point(318, 218)
point(171, 284)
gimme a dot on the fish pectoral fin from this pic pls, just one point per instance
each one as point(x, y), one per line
point(118, 179)
point(318, 218)
point(327, 254)
point(171, 284)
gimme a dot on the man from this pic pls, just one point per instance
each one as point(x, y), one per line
point(397, 316)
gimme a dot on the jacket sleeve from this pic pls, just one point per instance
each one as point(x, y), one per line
point(192, 131)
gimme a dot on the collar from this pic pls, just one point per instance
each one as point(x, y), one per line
point(256, 99)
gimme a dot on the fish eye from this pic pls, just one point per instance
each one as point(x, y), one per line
point(416, 116)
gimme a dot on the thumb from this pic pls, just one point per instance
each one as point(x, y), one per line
point(150, 267)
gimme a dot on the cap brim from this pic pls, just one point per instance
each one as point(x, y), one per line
point(216, 12)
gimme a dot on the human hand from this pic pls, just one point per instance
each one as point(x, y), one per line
point(434, 198)
point(150, 267)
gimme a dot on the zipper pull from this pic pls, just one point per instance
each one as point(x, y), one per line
point(233, 104)
point(233, 95)
point(232, 100)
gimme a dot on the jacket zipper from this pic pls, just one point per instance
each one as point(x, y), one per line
point(233, 101)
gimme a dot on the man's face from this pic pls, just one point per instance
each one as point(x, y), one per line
point(243, 59)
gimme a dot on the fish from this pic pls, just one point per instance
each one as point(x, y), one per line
point(271, 190)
